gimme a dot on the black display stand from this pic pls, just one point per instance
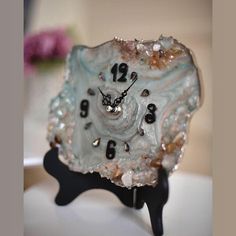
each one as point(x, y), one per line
point(72, 184)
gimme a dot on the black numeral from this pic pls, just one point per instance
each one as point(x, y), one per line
point(114, 71)
point(123, 69)
point(84, 107)
point(151, 117)
point(111, 152)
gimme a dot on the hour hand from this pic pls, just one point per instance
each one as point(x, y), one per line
point(101, 92)
point(106, 101)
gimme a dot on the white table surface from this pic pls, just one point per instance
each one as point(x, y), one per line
point(100, 213)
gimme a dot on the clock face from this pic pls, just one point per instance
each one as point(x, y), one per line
point(125, 108)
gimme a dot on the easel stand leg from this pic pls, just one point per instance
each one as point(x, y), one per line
point(72, 184)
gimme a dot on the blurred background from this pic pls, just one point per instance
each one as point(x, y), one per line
point(55, 25)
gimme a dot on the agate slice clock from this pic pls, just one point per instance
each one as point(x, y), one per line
point(125, 108)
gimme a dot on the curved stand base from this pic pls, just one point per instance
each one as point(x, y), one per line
point(72, 184)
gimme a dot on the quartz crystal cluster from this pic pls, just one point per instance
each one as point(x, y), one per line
point(167, 77)
point(157, 54)
point(62, 121)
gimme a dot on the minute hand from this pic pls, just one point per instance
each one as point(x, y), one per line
point(118, 100)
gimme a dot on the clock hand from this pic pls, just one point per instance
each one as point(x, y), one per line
point(101, 92)
point(131, 85)
point(118, 100)
point(106, 101)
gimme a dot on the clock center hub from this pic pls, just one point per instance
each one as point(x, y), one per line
point(113, 110)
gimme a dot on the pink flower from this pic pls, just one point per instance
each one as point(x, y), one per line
point(45, 45)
